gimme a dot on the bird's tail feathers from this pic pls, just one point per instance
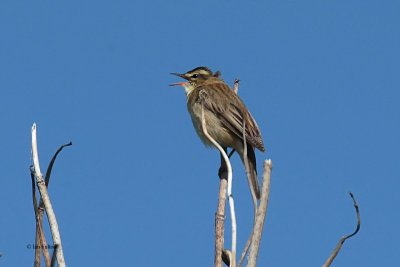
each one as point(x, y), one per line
point(252, 171)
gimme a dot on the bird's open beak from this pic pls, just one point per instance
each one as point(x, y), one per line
point(182, 83)
point(182, 76)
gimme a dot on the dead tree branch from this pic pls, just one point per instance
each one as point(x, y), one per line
point(46, 200)
point(219, 224)
point(339, 245)
point(260, 215)
point(39, 231)
point(40, 243)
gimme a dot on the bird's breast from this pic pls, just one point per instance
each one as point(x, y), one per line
point(214, 126)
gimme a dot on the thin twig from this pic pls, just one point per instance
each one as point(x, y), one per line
point(253, 194)
point(246, 247)
point(260, 215)
point(230, 197)
point(53, 257)
point(246, 165)
point(46, 200)
point(236, 86)
point(38, 243)
point(50, 167)
point(339, 245)
point(41, 242)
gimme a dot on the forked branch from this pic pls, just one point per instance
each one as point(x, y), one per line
point(41, 243)
point(46, 200)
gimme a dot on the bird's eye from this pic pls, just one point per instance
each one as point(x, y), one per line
point(195, 75)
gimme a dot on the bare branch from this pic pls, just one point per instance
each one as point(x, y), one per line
point(220, 217)
point(40, 232)
point(41, 239)
point(219, 223)
point(40, 242)
point(46, 200)
point(260, 215)
point(339, 245)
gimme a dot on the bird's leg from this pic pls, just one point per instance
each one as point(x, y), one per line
point(223, 171)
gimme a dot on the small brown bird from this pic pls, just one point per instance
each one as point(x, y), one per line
point(224, 114)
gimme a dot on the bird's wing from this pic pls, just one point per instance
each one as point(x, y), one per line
point(230, 113)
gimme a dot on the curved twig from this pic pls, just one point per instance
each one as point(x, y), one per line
point(253, 194)
point(50, 167)
point(341, 241)
point(230, 197)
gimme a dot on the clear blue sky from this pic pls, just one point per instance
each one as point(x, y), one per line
point(137, 188)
